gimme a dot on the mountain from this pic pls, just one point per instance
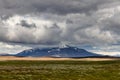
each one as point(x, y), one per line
point(66, 51)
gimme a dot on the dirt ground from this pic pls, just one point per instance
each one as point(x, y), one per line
point(8, 58)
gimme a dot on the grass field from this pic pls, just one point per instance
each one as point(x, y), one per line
point(60, 70)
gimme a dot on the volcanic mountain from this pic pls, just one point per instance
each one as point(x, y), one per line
point(66, 51)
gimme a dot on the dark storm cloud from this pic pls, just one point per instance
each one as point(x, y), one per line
point(52, 6)
point(27, 25)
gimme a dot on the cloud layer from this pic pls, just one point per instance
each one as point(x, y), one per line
point(99, 28)
point(50, 22)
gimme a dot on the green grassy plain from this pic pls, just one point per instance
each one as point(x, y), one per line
point(60, 70)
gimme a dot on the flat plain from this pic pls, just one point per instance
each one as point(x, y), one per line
point(11, 58)
point(59, 69)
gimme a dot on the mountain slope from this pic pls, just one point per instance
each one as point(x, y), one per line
point(57, 52)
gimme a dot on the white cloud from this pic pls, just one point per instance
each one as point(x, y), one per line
point(108, 53)
point(12, 48)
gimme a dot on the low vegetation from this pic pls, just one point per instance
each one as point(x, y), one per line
point(60, 70)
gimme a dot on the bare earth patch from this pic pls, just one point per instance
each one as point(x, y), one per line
point(10, 58)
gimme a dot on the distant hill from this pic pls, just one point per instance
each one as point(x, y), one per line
point(5, 54)
point(66, 51)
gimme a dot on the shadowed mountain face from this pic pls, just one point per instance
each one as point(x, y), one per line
point(66, 51)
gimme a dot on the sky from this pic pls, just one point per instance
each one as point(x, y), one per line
point(90, 24)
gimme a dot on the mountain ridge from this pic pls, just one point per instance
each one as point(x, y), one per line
point(66, 51)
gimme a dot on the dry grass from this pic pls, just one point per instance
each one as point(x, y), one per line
point(11, 58)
